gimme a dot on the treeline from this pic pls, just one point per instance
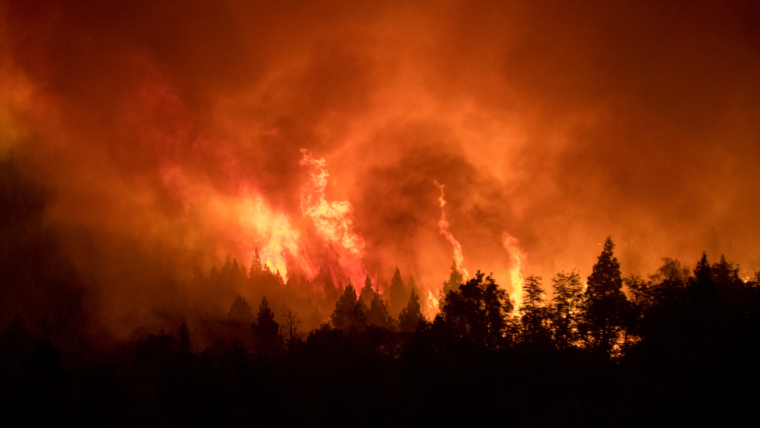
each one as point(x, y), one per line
point(314, 300)
point(607, 315)
point(677, 346)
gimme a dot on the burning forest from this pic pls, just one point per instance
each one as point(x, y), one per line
point(387, 213)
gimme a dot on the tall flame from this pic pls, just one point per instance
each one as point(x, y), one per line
point(516, 261)
point(283, 244)
point(433, 305)
point(443, 226)
point(332, 219)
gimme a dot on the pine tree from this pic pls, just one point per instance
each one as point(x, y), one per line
point(237, 275)
point(411, 315)
point(565, 308)
point(256, 270)
point(398, 296)
point(605, 303)
point(535, 316)
point(348, 312)
point(412, 285)
point(702, 271)
point(455, 280)
point(226, 273)
point(378, 313)
point(266, 331)
point(241, 311)
point(367, 292)
point(725, 275)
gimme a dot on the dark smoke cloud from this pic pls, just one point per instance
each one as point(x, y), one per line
point(557, 123)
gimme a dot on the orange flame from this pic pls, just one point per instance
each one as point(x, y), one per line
point(432, 304)
point(516, 259)
point(282, 242)
point(332, 219)
point(443, 225)
point(248, 214)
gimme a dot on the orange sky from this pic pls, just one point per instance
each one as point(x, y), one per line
point(172, 133)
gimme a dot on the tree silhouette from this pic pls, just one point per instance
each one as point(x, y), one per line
point(455, 280)
point(664, 286)
point(536, 317)
point(241, 311)
point(411, 315)
point(605, 304)
point(292, 335)
point(725, 275)
point(398, 296)
point(349, 312)
point(266, 331)
point(649, 298)
point(477, 311)
point(412, 285)
point(702, 270)
point(378, 313)
point(256, 270)
point(367, 292)
point(565, 308)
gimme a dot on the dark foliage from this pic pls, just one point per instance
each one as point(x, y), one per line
point(411, 315)
point(398, 294)
point(605, 303)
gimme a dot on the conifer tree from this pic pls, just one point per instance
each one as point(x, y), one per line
point(455, 280)
point(256, 270)
point(266, 331)
point(724, 274)
point(566, 305)
point(535, 316)
point(348, 311)
point(398, 296)
point(241, 311)
point(367, 293)
point(411, 315)
point(605, 303)
point(702, 271)
point(378, 313)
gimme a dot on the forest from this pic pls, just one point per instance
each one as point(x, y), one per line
point(676, 345)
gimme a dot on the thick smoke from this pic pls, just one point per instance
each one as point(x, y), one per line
point(158, 128)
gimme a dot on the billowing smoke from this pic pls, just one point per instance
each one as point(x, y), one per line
point(169, 136)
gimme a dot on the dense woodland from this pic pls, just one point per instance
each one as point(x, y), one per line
point(678, 345)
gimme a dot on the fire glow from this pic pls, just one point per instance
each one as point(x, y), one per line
point(517, 259)
point(279, 238)
point(332, 220)
point(443, 225)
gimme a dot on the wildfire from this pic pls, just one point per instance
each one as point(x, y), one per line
point(282, 249)
point(247, 213)
point(332, 219)
point(282, 240)
point(443, 226)
point(516, 260)
point(432, 304)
